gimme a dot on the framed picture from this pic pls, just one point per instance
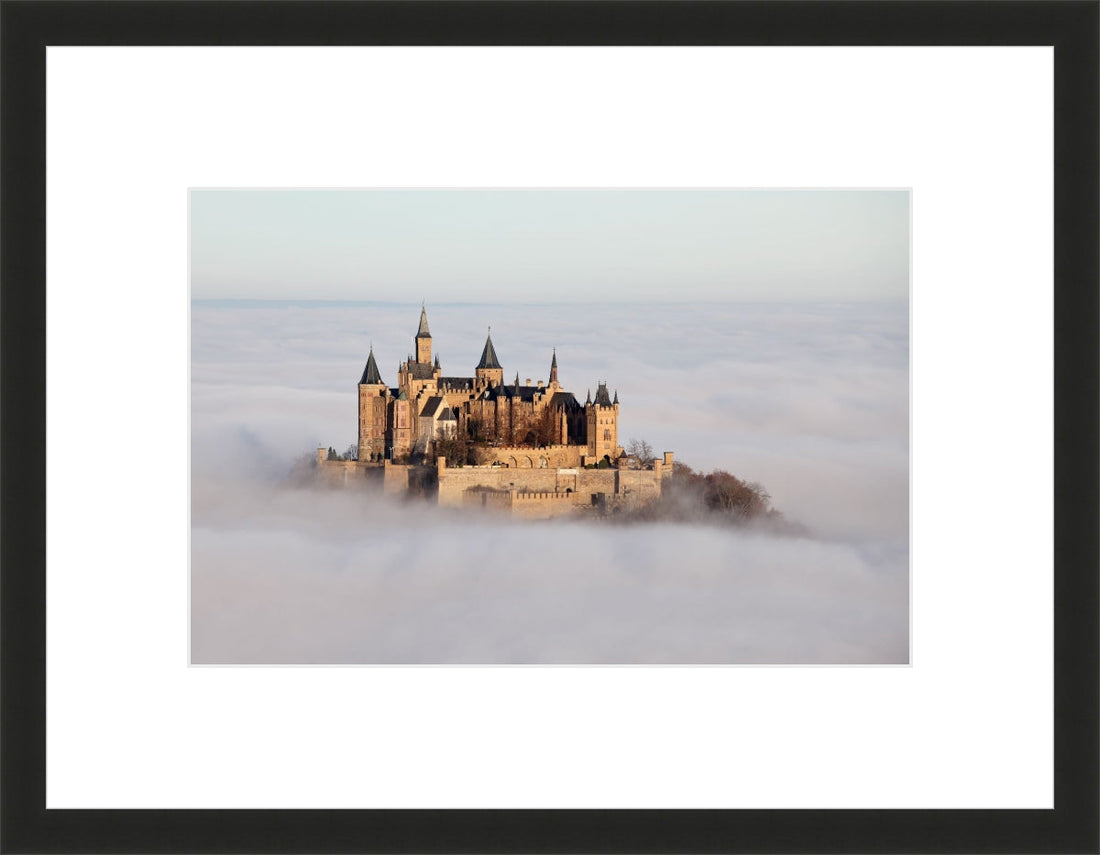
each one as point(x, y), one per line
point(137, 140)
point(424, 454)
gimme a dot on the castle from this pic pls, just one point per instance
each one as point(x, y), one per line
point(533, 450)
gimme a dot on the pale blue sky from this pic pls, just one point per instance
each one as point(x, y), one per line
point(550, 245)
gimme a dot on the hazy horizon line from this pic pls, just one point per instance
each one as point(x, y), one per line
point(685, 302)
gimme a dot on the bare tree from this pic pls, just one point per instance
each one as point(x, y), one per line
point(641, 451)
point(547, 426)
point(729, 494)
point(459, 451)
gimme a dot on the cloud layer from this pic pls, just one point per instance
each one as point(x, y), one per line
point(810, 400)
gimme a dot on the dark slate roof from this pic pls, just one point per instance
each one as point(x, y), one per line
point(370, 373)
point(421, 371)
point(602, 398)
point(554, 360)
point(434, 404)
point(489, 355)
point(510, 390)
point(456, 382)
point(448, 415)
point(565, 400)
point(423, 331)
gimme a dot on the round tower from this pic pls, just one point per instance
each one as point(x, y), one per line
point(373, 394)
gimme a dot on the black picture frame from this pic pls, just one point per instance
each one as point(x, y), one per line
point(27, 27)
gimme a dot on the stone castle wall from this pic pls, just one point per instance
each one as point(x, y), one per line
point(395, 479)
point(528, 505)
point(549, 457)
point(546, 492)
point(347, 473)
point(453, 483)
point(493, 500)
point(530, 493)
point(544, 505)
point(388, 478)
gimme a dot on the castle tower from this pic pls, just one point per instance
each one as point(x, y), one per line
point(401, 427)
point(602, 418)
point(489, 371)
point(423, 339)
point(554, 371)
point(373, 395)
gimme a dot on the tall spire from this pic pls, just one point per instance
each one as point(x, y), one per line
point(423, 331)
point(423, 339)
point(370, 373)
point(588, 400)
point(489, 354)
point(616, 397)
point(554, 367)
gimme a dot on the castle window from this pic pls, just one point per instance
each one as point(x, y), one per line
point(607, 435)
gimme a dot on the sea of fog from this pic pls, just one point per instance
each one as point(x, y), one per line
point(810, 400)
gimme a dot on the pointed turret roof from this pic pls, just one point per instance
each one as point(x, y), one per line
point(489, 355)
point(437, 360)
point(602, 398)
point(554, 359)
point(423, 331)
point(370, 373)
point(588, 400)
point(616, 397)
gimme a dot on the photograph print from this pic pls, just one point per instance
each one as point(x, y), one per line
point(549, 427)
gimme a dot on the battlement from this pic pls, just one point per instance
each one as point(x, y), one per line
point(525, 457)
point(567, 497)
point(528, 449)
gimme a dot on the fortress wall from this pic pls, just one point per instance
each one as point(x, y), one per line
point(596, 481)
point(643, 484)
point(528, 505)
point(563, 488)
point(348, 473)
point(543, 505)
point(335, 473)
point(567, 480)
point(557, 456)
point(487, 499)
point(368, 475)
point(454, 482)
point(344, 473)
point(395, 478)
